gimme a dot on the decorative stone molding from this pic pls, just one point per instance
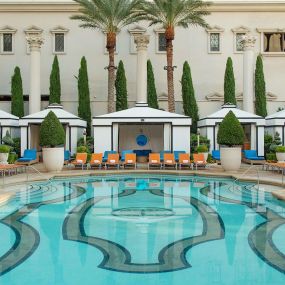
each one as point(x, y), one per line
point(8, 29)
point(215, 29)
point(271, 97)
point(248, 42)
point(142, 42)
point(163, 97)
point(215, 97)
point(59, 29)
point(134, 31)
point(35, 41)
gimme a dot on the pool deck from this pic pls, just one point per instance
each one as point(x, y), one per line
point(10, 184)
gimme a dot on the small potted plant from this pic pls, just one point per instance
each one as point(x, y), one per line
point(52, 139)
point(230, 138)
point(4, 154)
point(280, 153)
point(203, 149)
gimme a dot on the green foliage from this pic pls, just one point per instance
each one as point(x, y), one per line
point(17, 146)
point(89, 143)
point(202, 148)
point(188, 95)
point(229, 83)
point(82, 149)
point(12, 157)
point(268, 139)
point(151, 89)
point(51, 131)
point(7, 140)
point(121, 88)
point(210, 158)
point(194, 142)
point(275, 143)
point(4, 148)
point(271, 157)
point(230, 131)
point(17, 99)
point(84, 109)
point(260, 90)
point(280, 148)
point(55, 86)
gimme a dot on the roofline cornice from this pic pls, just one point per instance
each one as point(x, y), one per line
point(221, 6)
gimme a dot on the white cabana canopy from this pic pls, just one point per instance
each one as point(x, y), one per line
point(73, 125)
point(118, 131)
point(253, 127)
point(8, 122)
point(276, 123)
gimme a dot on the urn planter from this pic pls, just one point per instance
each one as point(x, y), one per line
point(53, 158)
point(231, 158)
point(280, 156)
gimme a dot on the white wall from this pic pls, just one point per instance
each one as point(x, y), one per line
point(181, 138)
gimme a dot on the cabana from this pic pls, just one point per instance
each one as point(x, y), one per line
point(253, 126)
point(276, 123)
point(30, 126)
point(142, 128)
point(9, 122)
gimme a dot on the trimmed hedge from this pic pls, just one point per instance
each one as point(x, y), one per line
point(55, 86)
point(230, 131)
point(121, 88)
point(260, 89)
point(51, 131)
point(17, 99)
point(151, 89)
point(229, 83)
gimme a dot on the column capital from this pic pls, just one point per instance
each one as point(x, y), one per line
point(248, 41)
point(141, 41)
point(35, 41)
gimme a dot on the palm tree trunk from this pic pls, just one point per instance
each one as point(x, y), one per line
point(169, 35)
point(111, 44)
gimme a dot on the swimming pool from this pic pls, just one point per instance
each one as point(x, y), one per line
point(142, 229)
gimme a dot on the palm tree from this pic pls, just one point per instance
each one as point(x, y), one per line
point(171, 14)
point(109, 16)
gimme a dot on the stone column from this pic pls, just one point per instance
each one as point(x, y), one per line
point(248, 42)
point(142, 41)
point(35, 41)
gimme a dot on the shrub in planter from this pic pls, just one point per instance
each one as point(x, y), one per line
point(280, 148)
point(231, 135)
point(89, 143)
point(82, 149)
point(12, 157)
point(280, 153)
point(52, 137)
point(194, 142)
point(271, 157)
point(203, 149)
point(4, 153)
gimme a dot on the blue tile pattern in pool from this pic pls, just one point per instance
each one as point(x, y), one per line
point(142, 229)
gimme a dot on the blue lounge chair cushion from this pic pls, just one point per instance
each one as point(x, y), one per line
point(106, 153)
point(142, 152)
point(252, 155)
point(66, 155)
point(29, 155)
point(216, 154)
point(162, 154)
point(124, 152)
point(176, 154)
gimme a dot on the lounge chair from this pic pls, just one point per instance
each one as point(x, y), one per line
point(154, 160)
point(30, 157)
point(123, 154)
point(96, 160)
point(199, 160)
point(112, 160)
point(130, 160)
point(250, 156)
point(169, 160)
point(80, 159)
point(106, 153)
point(184, 160)
point(177, 153)
point(216, 154)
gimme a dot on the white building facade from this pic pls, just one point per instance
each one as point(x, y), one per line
point(205, 49)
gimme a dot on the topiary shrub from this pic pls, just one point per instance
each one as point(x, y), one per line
point(275, 143)
point(17, 146)
point(7, 140)
point(268, 139)
point(280, 148)
point(230, 131)
point(202, 148)
point(51, 131)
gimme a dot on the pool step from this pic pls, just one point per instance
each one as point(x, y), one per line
point(4, 198)
point(279, 194)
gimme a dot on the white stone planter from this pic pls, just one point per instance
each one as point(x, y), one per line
point(53, 158)
point(231, 158)
point(205, 155)
point(4, 158)
point(280, 156)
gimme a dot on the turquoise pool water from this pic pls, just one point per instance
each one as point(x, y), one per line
point(142, 229)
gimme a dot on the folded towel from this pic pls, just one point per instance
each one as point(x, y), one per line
point(200, 161)
point(169, 161)
point(79, 161)
point(129, 161)
point(185, 161)
point(112, 160)
point(97, 161)
point(154, 161)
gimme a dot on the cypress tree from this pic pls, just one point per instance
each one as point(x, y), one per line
point(151, 90)
point(260, 92)
point(17, 100)
point(54, 87)
point(121, 88)
point(229, 83)
point(84, 109)
point(188, 95)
